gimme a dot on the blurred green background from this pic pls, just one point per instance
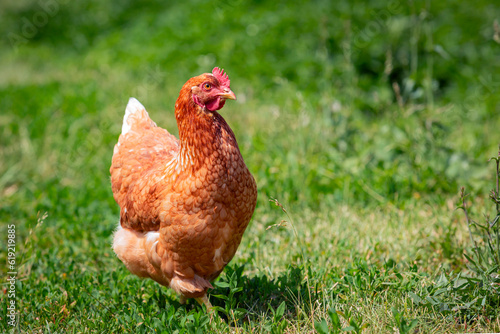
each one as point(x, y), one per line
point(325, 69)
point(362, 104)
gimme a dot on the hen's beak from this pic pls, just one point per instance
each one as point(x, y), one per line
point(228, 94)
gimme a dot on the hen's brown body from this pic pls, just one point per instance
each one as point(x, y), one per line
point(184, 203)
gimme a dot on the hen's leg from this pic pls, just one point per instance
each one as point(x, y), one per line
point(204, 301)
point(182, 300)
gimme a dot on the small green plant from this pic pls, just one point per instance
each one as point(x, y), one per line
point(355, 322)
point(470, 298)
point(404, 326)
point(478, 295)
point(484, 259)
point(232, 283)
point(335, 325)
point(278, 323)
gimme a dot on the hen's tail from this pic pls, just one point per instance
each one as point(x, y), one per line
point(135, 117)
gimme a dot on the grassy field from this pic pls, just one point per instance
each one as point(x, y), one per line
point(359, 120)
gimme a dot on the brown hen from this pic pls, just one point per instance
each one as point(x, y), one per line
point(184, 203)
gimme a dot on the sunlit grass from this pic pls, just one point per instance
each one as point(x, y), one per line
point(369, 176)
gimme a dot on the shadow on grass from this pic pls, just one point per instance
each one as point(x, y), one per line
point(252, 296)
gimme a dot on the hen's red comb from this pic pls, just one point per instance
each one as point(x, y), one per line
point(221, 77)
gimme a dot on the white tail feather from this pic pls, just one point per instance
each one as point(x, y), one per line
point(133, 106)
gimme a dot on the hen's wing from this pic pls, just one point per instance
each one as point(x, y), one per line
point(139, 159)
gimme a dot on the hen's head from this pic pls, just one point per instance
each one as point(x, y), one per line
point(210, 90)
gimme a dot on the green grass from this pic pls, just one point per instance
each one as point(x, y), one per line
point(362, 119)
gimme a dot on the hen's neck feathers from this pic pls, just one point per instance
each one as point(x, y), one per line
point(205, 137)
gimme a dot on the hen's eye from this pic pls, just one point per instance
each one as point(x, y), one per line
point(207, 86)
